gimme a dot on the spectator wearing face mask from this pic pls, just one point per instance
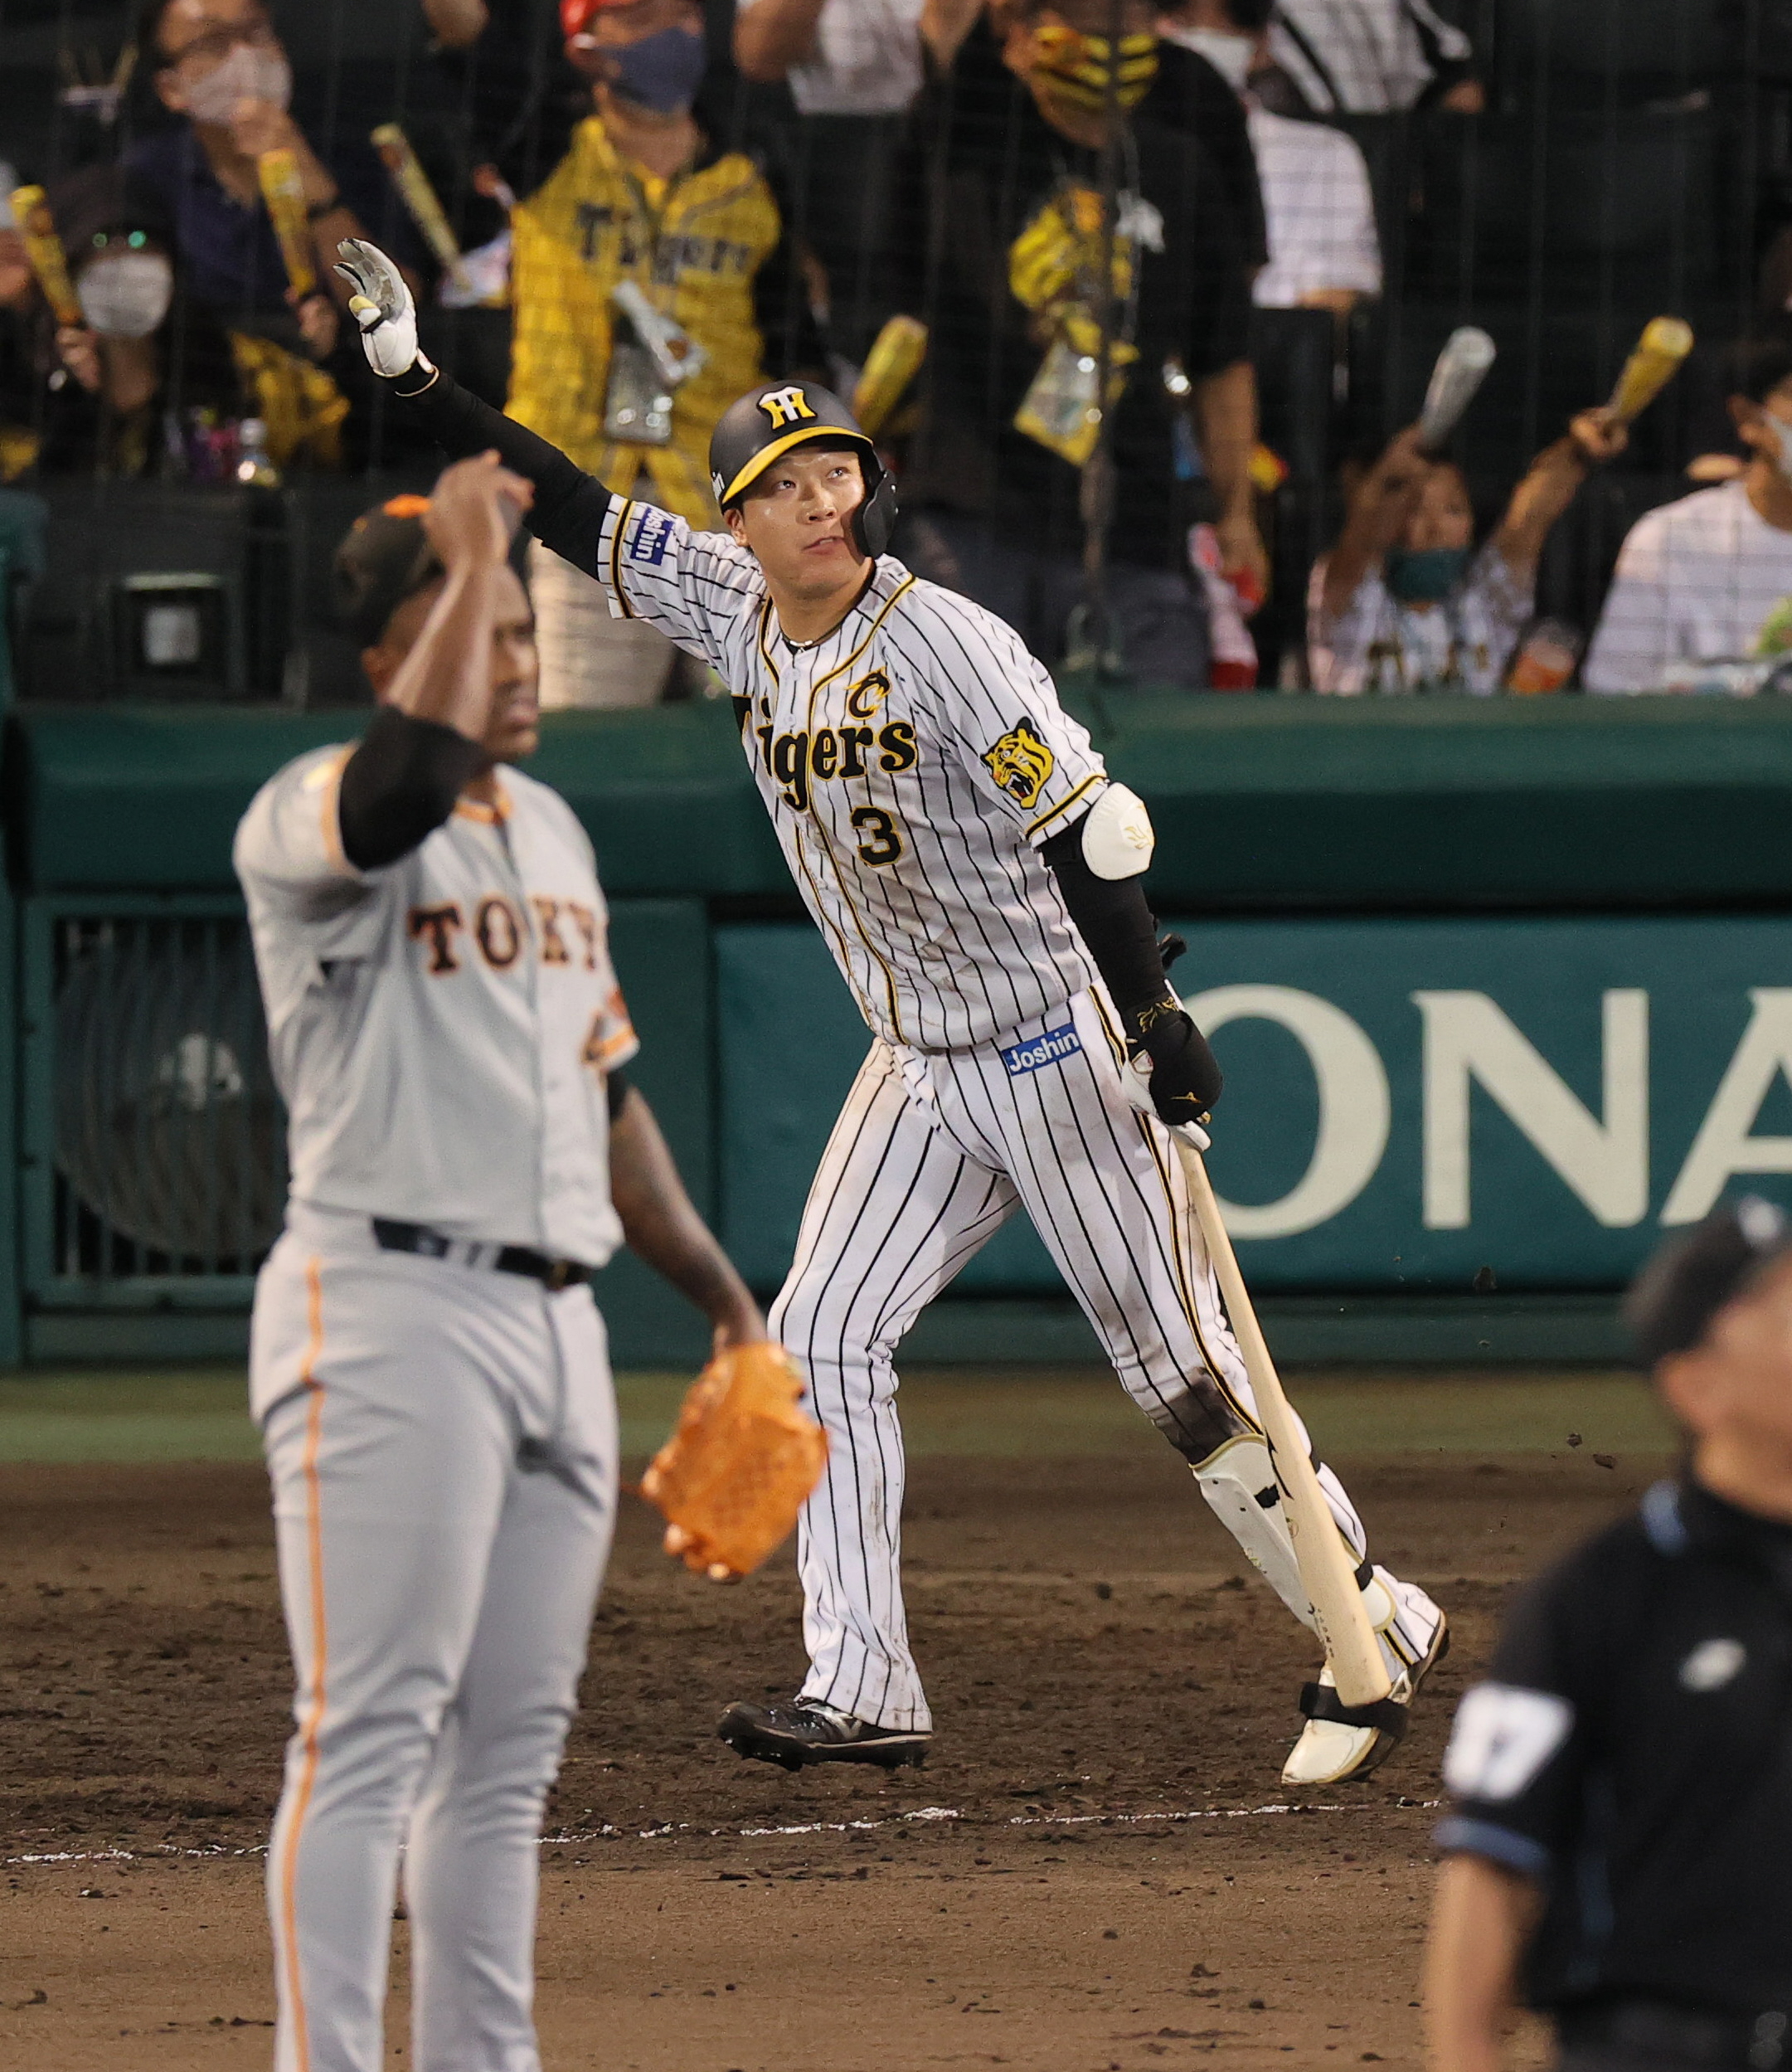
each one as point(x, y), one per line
point(103, 388)
point(1698, 580)
point(1323, 253)
point(218, 65)
point(626, 197)
point(1403, 602)
point(1000, 245)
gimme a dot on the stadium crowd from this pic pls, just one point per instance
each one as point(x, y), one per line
point(620, 213)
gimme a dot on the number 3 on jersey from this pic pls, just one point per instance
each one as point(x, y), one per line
point(882, 844)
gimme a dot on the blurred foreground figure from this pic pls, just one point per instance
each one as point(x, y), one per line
point(1622, 1783)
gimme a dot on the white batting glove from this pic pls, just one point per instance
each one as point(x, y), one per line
point(382, 306)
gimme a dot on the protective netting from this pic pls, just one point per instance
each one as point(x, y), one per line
point(1171, 282)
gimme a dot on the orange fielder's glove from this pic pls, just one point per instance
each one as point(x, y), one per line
point(739, 1464)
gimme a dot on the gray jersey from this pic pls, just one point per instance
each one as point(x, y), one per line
point(440, 1029)
point(913, 762)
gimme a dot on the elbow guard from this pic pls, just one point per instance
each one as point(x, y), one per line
point(1117, 839)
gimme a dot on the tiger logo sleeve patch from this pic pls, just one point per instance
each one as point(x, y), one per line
point(1020, 764)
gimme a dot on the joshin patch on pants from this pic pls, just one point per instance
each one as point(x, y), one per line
point(1049, 1049)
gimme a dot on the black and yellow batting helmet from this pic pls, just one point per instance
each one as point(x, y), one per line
point(772, 420)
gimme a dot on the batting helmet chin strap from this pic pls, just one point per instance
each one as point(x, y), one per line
point(875, 519)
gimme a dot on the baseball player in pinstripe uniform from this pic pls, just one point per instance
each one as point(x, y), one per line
point(976, 874)
point(427, 1365)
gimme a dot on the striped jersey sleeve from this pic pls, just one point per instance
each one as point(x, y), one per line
point(691, 584)
point(995, 703)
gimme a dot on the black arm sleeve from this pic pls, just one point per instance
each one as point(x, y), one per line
point(401, 784)
point(1112, 917)
point(569, 504)
point(615, 1091)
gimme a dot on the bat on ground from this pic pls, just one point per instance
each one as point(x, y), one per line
point(49, 262)
point(1326, 1567)
point(1460, 370)
point(420, 197)
point(284, 194)
point(1654, 361)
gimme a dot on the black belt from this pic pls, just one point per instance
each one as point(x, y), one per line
point(1663, 2032)
point(553, 1274)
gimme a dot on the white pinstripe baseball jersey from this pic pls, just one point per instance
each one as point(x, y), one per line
point(912, 762)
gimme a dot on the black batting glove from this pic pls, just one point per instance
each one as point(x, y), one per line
point(1183, 1078)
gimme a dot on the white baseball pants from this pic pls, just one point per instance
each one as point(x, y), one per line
point(442, 1446)
point(932, 1154)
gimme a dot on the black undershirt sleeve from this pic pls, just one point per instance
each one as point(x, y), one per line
point(1113, 918)
point(615, 1091)
point(569, 508)
point(401, 784)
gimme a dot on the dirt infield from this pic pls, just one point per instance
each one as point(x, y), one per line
point(1097, 1868)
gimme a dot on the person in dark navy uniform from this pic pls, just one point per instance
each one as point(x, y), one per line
point(1618, 1849)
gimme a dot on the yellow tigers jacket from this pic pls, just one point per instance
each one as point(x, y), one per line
point(706, 247)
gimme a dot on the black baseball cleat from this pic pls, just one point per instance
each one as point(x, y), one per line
point(799, 1732)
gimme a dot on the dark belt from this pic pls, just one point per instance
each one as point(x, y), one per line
point(1662, 2032)
point(553, 1274)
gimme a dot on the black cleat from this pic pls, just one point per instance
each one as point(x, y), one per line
point(799, 1732)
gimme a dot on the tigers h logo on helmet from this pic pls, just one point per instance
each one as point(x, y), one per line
point(785, 406)
point(777, 418)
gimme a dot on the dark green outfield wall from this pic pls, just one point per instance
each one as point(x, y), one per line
point(1495, 972)
point(1260, 803)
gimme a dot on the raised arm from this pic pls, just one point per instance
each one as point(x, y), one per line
point(771, 36)
point(1550, 484)
point(570, 505)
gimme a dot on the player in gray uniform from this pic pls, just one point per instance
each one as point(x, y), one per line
point(427, 1365)
point(976, 874)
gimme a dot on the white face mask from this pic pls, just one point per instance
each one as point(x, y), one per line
point(247, 74)
point(128, 296)
point(1229, 55)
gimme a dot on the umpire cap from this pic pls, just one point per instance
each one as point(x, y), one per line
point(1673, 1301)
point(772, 420)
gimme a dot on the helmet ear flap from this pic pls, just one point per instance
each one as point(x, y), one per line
point(875, 519)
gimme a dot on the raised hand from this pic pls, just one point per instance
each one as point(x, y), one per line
point(474, 510)
point(381, 305)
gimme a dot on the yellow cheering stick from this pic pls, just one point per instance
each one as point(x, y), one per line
point(284, 194)
point(49, 262)
point(1654, 361)
point(420, 197)
point(892, 362)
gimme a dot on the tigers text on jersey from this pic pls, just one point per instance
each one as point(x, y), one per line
point(912, 761)
point(440, 1029)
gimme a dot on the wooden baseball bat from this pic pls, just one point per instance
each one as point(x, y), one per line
point(49, 262)
point(1326, 1567)
point(284, 194)
point(1654, 361)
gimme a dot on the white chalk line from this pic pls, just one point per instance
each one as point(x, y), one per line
point(668, 1830)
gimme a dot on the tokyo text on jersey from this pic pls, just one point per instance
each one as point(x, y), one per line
point(440, 1029)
